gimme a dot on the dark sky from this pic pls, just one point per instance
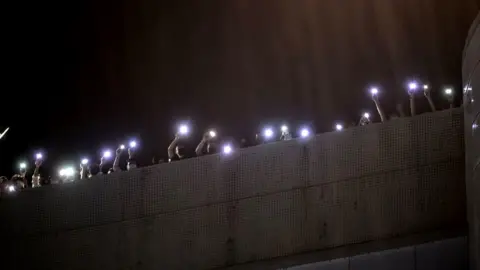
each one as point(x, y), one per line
point(82, 75)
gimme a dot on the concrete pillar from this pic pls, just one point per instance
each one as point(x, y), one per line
point(471, 101)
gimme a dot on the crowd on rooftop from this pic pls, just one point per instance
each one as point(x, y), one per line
point(110, 161)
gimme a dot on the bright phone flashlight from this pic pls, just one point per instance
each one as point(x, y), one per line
point(304, 132)
point(412, 86)
point(268, 133)
point(227, 149)
point(183, 129)
point(67, 172)
point(107, 154)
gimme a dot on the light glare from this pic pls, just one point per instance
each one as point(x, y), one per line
point(284, 128)
point(67, 172)
point(304, 133)
point(122, 146)
point(4, 132)
point(339, 127)
point(84, 161)
point(374, 91)
point(413, 86)
point(449, 91)
point(268, 133)
point(183, 129)
point(133, 144)
point(39, 156)
point(23, 165)
point(107, 154)
point(212, 134)
point(227, 149)
point(366, 115)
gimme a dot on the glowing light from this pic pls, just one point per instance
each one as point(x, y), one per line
point(4, 132)
point(67, 172)
point(183, 129)
point(412, 86)
point(449, 91)
point(133, 144)
point(122, 146)
point(11, 188)
point(339, 127)
point(284, 128)
point(425, 87)
point(304, 132)
point(374, 91)
point(474, 126)
point(366, 115)
point(84, 161)
point(23, 165)
point(212, 134)
point(227, 149)
point(107, 154)
point(268, 133)
point(39, 156)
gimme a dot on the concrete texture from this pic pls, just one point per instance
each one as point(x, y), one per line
point(447, 254)
point(364, 184)
point(471, 79)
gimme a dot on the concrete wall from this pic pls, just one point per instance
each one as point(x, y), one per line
point(471, 79)
point(450, 254)
point(367, 183)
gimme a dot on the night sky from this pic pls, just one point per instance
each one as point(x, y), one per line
point(83, 75)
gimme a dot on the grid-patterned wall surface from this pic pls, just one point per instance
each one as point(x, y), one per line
point(449, 254)
point(471, 80)
point(362, 184)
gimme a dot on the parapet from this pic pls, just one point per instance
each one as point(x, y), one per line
point(366, 183)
